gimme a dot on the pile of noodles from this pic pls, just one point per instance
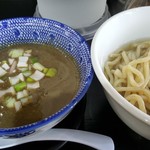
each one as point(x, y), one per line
point(128, 70)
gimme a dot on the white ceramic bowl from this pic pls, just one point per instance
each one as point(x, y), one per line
point(120, 29)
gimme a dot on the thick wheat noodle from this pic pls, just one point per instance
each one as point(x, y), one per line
point(119, 82)
point(125, 57)
point(140, 60)
point(118, 73)
point(111, 63)
point(134, 98)
point(138, 51)
point(146, 74)
point(131, 75)
point(134, 89)
point(129, 72)
point(109, 74)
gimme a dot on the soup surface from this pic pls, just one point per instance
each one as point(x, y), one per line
point(128, 70)
point(43, 93)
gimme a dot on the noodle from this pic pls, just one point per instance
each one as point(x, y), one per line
point(128, 70)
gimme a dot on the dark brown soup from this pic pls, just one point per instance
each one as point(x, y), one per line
point(33, 98)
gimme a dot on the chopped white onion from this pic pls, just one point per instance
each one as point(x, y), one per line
point(10, 102)
point(27, 73)
point(21, 77)
point(11, 60)
point(23, 69)
point(26, 54)
point(5, 66)
point(2, 93)
point(22, 62)
point(22, 94)
point(2, 72)
point(14, 80)
point(37, 75)
point(34, 85)
point(24, 100)
point(29, 51)
point(18, 105)
point(25, 92)
point(23, 58)
point(14, 53)
point(1, 81)
point(9, 90)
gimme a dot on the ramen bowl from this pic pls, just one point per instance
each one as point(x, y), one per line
point(119, 30)
point(44, 31)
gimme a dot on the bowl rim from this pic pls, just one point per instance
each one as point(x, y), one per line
point(98, 69)
point(66, 109)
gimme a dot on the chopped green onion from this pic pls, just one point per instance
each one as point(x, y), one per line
point(20, 86)
point(38, 66)
point(30, 80)
point(9, 102)
point(4, 61)
point(27, 73)
point(51, 72)
point(29, 51)
point(15, 53)
point(33, 59)
point(45, 70)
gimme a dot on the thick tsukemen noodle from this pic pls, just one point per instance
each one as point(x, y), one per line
point(128, 70)
point(41, 80)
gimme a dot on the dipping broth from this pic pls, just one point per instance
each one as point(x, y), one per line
point(57, 83)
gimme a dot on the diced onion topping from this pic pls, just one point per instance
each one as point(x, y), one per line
point(14, 80)
point(24, 73)
point(38, 66)
point(11, 60)
point(31, 86)
point(16, 53)
point(37, 75)
point(2, 72)
point(18, 105)
point(9, 90)
point(10, 102)
point(5, 66)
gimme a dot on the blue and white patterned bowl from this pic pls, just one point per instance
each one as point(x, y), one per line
point(45, 31)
